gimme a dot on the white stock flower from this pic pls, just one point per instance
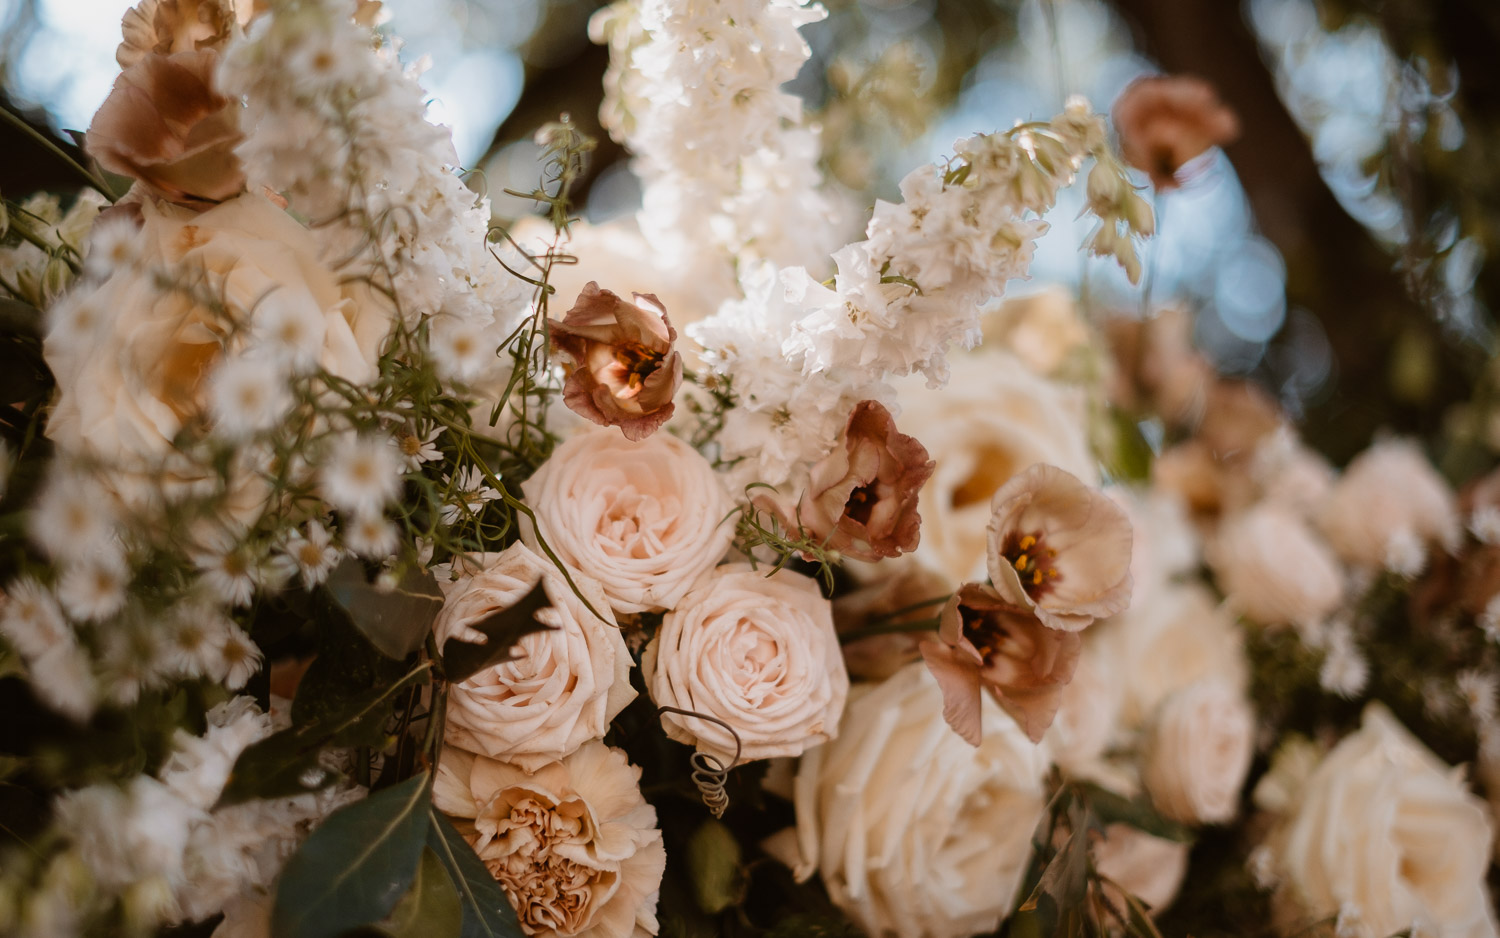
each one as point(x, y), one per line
point(915, 832)
point(759, 653)
point(643, 519)
point(567, 682)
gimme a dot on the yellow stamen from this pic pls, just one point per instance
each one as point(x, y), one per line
point(1036, 578)
point(1020, 564)
point(1028, 542)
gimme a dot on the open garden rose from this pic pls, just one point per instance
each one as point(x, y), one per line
point(915, 832)
point(861, 499)
point(644, 519)
point(622, 371)
point(573, 843)
point(1389, 492)
point(166, 125)
point(759, 653)
point(986, 642)
point(565, 685)
point(1275, 569)
point(1059, 548)
point(1384, 829)
point(1198, 750)
point(993, 420)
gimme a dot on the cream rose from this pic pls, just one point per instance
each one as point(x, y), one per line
point(1197, 752)
point(757, 652)
point(1274, 569)
point(132, 359)
point(993, 420)
point(645, 519)
point(915, 832)
point(573, 844)
point(1385, 829)
point(1089, 717)
point(568, 682)
point(1389, 493)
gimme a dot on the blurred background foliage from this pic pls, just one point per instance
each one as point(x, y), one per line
point(1342, 251)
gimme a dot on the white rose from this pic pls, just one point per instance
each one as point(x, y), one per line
point(1385, 829)
point(1388, 493)
point(1197, 753)
point(568, 683)
point(1275, 569)
point(759, 653)
point(572, 843)
point(915, 832)
point(131, 359)
point(1089, 716)
point(644, 519)
point(994, 419)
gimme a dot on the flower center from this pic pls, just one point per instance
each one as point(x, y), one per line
point(861, 503)
point(1032, 560)
point(639, 362)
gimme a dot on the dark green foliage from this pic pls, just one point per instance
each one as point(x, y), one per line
point(504, 629)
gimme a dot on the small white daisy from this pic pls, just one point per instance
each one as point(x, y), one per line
point(247, 395)
point(229, 569)
point(370, 536)
point(239, 656)
point(114, 244)
point(1405, 554)
point(290, 329)
point(64, 680)
point(194, 643)
point(32, 621)
point(416, 449)
point(1345, 670)
point(94, 588)
point(1478, 690)
point(1484, 524)
point(461, 350)
point(362, 474)
point(313, 553)
point(72, 517)
point(470, 496)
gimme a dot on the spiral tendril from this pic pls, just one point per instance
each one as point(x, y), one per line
point(710, 774)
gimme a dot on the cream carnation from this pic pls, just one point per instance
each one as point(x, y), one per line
point(1389, 493)
point(757, 652)
point(645, 519)
point(573, 844)
point(1385, 828)
point(993, 420)
point(915, 832)
point(1197, 753)
point(1274, 569)
point(567, 684)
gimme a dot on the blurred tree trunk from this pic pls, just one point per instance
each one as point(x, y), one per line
point(1335, 269)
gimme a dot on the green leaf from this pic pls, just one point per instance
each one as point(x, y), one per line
point(504, 629)
point(487, 912)
point(286, 763)
point(397, 620)
point(1060, 899)
point(354, 867)
point(1111, 808)
point(714, 859)
point(430, 908)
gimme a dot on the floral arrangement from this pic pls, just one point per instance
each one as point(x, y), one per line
point(371, 566)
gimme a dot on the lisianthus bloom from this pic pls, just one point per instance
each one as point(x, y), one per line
point(861, 499)
point(986, 642)
point(167, 26)
point(1059, 548)
point(1165, 121)
point(623, 371)
point(166, 125)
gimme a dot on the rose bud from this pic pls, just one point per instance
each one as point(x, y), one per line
point(1166, 121)
point(861, 499)
point(623, 371)
point(986, 642)
point(166, 125)
point(1059, 548)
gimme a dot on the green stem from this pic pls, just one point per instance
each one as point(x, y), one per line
point(895, 628)
point(93, 181)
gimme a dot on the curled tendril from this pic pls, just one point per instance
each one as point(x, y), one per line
point(709, 771)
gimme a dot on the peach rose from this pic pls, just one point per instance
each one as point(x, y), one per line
point(1274, 569)
point(986, 642)
point(1383, 828)
point(166, 125)
point(573, 843)
point(644, 519)
point(565, 686)
point(1198, 750)
point(1059, 548)
point(1165, 121)
point(758, 652)
point(1388, 494)
point(622, 370)
point(861, 499)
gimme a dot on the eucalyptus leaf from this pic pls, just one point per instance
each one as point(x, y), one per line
point(1060, 900)
point(487, 912)
point(1111, 808)
point(356, 865)
point(396, 620)
point(714, 859)
point(504, 629)
point(430, 908)
point(286, 763)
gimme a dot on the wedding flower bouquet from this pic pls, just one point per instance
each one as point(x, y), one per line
point(747, 566)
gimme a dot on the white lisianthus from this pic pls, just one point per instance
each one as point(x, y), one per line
point(759, 653)
point(643, 519)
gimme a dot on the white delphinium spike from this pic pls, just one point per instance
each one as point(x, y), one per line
point(313, 553)
point(362, 474)
point(72, 516)
point(247, 395)
point(93, 587)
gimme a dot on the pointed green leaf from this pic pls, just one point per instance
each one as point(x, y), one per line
point(430, 908)
point(397, 620)
point(487, 911)
point(356, 866)
point(1111, 808)
point(504, 629)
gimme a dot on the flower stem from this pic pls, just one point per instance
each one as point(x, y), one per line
point(894, 628)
